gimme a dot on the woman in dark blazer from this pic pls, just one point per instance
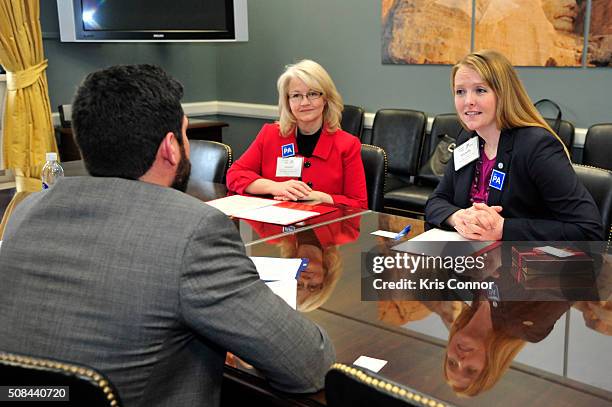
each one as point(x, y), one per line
point(514, 181)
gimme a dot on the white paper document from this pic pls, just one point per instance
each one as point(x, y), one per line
point(281, 275)
point(286, 289)
point(439, 235)
point(385, 233)
point(438, 242)
point(277, 215)
point(370, 363)
point(273, 269)
point(231, 205)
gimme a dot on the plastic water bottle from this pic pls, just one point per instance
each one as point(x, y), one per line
point(51, 171)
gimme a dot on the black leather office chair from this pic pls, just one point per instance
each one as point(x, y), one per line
point(411, 198)
point(598, 182)
point(86, 386)
point(375, 166)
point(210, 161)
point(65, 114)
point(566, 131)
point(598, 146)
point(351, 386)
point(400, 133)
point(352, 120)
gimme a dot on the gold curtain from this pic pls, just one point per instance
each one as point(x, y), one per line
point(28, 130)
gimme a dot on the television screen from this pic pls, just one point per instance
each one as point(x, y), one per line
point(152, 20)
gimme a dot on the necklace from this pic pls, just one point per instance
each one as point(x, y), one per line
point(478, 177)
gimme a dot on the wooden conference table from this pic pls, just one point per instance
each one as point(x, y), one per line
point(570, 366)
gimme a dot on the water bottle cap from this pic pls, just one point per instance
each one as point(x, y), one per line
point(51, 156)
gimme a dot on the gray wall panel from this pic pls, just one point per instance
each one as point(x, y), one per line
point(345, 37)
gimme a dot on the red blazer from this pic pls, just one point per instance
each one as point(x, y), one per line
point(335, 166)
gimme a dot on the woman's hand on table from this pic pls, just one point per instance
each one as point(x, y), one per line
point(479, 222)
point(319, 196)
point(291, 190)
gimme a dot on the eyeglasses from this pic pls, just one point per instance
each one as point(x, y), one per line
point(298, 97)
point(311, 288)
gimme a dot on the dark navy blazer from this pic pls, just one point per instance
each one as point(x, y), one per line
point(541, 196)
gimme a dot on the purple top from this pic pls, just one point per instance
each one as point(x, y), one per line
point(480, 186)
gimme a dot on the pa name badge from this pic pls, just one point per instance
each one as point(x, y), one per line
point(497, 180)
point(288, 150)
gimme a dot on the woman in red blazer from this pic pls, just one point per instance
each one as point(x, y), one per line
point(305, 155)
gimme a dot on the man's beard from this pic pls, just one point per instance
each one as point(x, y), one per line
point(181, 179)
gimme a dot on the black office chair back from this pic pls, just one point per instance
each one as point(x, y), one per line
point(351, 386)
point(400, 133)
point(65, 114)
point(375, 166)
point(352, 120)
point(86, 386)
point(598, 182)
point(210, 161)
point(566, 131)
point(598, 146)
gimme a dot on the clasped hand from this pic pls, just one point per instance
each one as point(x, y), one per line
point(291, 190)
point(479, 222)
point(294, 190)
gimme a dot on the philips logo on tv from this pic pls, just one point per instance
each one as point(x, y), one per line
point(158, 35)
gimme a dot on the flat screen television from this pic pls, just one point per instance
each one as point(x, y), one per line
point(152, 20)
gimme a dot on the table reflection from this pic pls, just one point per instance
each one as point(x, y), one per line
point(484, 339)
point(321, 246)
point(468, 347)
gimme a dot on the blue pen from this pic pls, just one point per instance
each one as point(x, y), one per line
point(403, 233)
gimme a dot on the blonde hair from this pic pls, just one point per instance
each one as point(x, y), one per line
point(514, 107)
point(316, 78)
point(332, 267)
point(500, 351)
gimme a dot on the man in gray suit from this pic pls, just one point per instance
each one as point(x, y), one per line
point(120, 272)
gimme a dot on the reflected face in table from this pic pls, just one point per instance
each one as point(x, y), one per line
point(317, 281)
point(465, 359)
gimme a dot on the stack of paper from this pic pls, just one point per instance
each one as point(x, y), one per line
point(274, 269)
point(231, 205)
point(277, 215)
point(267, 210)
point(281, 276)
point(437, 242)
point(439, 235)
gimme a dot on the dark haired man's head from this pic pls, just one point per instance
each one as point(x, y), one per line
point(121, 114)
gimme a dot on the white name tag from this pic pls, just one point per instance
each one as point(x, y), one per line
point(466, 153)
point(289, 167)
